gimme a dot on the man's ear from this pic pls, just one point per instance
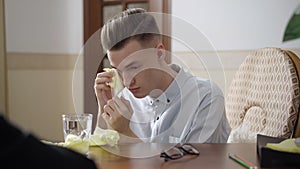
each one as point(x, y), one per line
point(160, 51)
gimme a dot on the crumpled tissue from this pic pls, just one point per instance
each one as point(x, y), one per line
point(104, 137)
point(99, 138)
point(116, 82)
point(287, 145)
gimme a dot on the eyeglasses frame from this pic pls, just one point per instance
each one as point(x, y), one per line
point(182, 152)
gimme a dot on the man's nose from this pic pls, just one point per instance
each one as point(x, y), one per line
point(128, 81)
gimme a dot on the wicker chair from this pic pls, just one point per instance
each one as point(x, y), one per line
point(264, 96)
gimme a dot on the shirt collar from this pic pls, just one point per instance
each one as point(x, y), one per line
point(174, 89)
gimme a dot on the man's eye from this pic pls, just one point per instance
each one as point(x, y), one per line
point(133, 67)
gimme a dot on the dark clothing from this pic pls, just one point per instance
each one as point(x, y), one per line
point(21, 150)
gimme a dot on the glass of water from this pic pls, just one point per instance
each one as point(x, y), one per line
point(79, 125)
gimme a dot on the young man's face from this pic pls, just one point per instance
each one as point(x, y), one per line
point(138, 66)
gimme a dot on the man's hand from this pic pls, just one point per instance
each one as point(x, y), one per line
point(117, 114)
point(103, 94)
point(102, 89)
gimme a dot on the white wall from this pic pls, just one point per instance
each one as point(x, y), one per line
point(44, 26)
point(44, 39)
point(213, 37)
point(236, 24)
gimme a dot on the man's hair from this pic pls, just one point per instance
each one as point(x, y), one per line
point(133, 23)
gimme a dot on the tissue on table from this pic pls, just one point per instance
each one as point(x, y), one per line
point(99, 138)
point(104, 137)
point(287, 145)
point(77, 143)
point(73, 142)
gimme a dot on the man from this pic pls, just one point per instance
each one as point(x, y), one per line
point(23, 150)
point(160, 102)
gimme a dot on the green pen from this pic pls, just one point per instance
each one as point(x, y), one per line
point(240, 161)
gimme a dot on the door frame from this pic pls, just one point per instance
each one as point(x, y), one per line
point(3, 64)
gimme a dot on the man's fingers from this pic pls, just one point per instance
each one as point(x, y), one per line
point(127, 103)
point(102, 87)
point(105, 74)
point(109, 107)
point(105, 116)
point(102, 79)
point(105, 98)
point(123, 107)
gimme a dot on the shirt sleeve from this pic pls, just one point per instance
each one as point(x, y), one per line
point(210, 124)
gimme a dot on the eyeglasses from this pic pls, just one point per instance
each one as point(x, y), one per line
point(179, 151)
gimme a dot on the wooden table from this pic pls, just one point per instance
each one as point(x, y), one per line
point(146, 156)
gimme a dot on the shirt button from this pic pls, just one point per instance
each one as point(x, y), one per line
point(168, 100)
point(157, 118)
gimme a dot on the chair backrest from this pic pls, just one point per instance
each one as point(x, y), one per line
point(296, 61)
point(264, 96)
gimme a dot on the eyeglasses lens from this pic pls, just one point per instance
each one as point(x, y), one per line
point(179, 151)
point(190, 149)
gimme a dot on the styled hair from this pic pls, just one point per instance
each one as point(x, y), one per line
point(133, 23)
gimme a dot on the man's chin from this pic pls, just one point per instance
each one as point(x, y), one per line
point(139, 95)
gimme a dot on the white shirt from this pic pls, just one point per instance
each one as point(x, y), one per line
point(190, 110)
